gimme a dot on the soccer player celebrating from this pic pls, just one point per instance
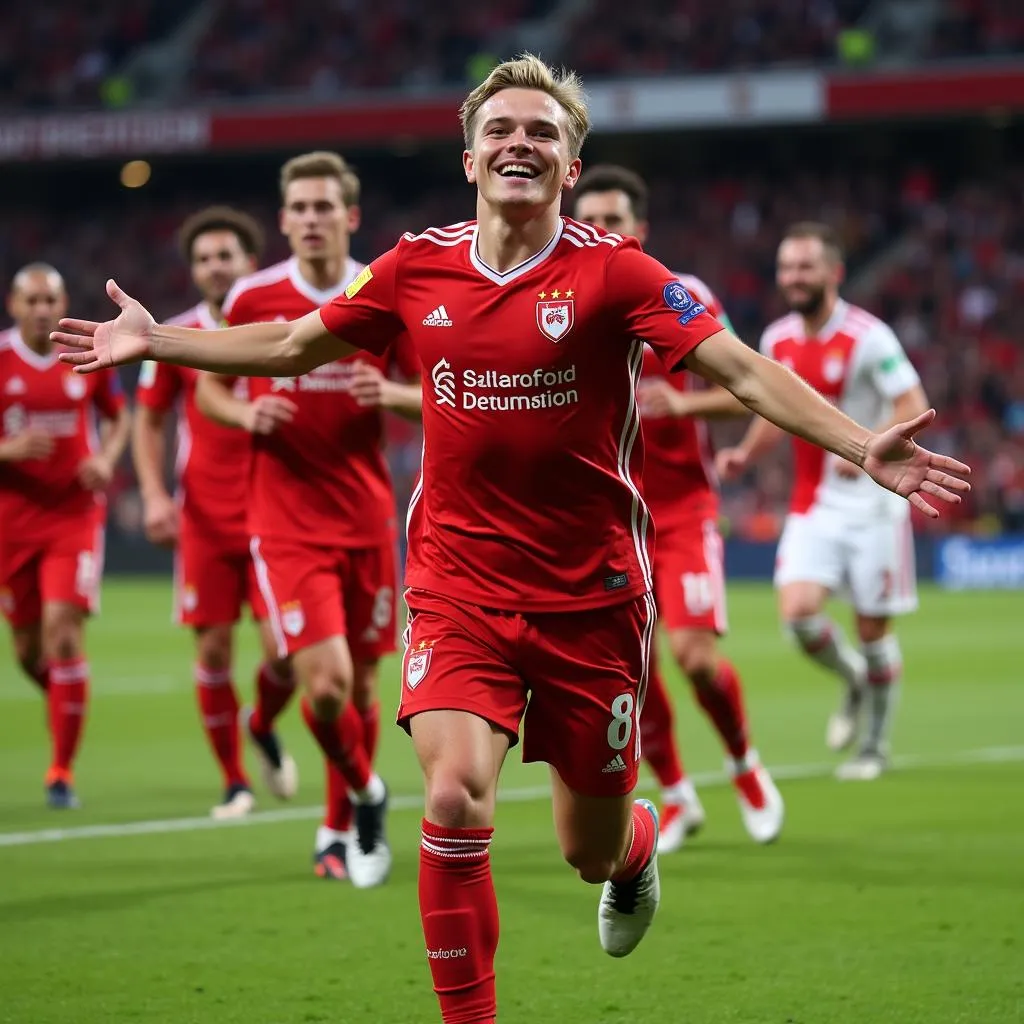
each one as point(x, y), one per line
point(322, 509)
point(681, 490)
point(53, 474)
point(214, 574)
point(843, 532)
point(529, 568)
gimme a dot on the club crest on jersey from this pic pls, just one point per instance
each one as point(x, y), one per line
point(555, 318)
point(293, 619)
point(832, 367)
point(417, 663)
point(74, 386)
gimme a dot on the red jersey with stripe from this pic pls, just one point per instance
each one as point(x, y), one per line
point(321, 479)
point(39, 496)
point(857, 363)
point(530, 494)
point(213, 461)
point(679, 477)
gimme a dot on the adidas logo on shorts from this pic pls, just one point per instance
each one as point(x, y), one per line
point(616, 764)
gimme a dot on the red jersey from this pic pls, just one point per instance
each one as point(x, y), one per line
point(530, 495)
point(213, 461)
point(679, 476)
point(39, 496)
point(322, 478)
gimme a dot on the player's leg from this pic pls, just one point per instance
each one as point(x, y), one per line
point(810, 565)
point(275, 687)
point(462, 703)
point(682, 813)
point(70, 572)
point(588, 677)
point(27, 642)
point(718, 690)
point(210, 586)
point(68, 695)
point(883, 585)
point(219, 712)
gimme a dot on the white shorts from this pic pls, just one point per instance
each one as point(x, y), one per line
point(869, 561)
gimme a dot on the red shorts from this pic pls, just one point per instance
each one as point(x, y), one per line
point(575, 680)
point(313, 593)
point(67, 567)
point(212, 581)
point(689, 578)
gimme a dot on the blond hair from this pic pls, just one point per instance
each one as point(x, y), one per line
point(530, 72)
point(322, 164)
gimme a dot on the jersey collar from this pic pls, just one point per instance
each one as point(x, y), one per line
point(28, 355)
point(516, 272)
point(832, 324)
point(321, 296)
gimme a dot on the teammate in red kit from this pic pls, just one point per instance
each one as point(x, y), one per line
point(54, 469)
point(681, 490)
point(322, 509)
point(214, 575)
point(529, 569)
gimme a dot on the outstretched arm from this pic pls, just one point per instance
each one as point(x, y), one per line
point(283, 349)
point(892, 458)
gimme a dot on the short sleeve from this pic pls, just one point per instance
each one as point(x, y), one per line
point(109, 395)
point(890, 369)
point(235, 311)
point(158, 386)
point(654, 306)
point(365, 314)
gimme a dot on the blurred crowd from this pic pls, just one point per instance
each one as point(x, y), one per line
point(946, 269)
point(63, 54)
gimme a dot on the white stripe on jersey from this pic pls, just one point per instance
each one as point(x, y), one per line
point(639, 514)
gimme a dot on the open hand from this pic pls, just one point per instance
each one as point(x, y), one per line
point(125, 339)
point(368, 387)
point(658, 399)
point(894, 460)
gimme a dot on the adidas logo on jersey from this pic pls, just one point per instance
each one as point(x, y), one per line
point(437, 318)
point(15, 386)
point(616, 764)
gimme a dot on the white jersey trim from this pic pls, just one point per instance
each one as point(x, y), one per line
point(640, 515)
point(508, 276)
point(27, 355)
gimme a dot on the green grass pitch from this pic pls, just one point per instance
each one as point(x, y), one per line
point(900, 901)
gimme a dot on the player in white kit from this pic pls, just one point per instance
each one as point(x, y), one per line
point(844, 534)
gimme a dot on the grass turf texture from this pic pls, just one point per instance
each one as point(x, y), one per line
point(898, 901)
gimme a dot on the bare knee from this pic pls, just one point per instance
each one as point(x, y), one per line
point(696, 653)
point(871, 629)
point(62, 633)
point(28, 650)
point(213, 648)
point(458, 796)
point(364, 685)
point(801, 601)
point(325, 674)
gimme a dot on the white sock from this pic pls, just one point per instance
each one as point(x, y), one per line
point(328, 836)
point(823, 641)
point(373, 794)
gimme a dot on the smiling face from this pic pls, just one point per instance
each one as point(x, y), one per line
point(315, 219)
point(520, 156)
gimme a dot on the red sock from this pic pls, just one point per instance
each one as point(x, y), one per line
point(371, 729)
point(273, 692)
point(657, 733)
point(341, 740)
point(459, 912)
point(218, 706)
point(68, 695)
point(722, 701)
point(641, 846)
point(337, 803)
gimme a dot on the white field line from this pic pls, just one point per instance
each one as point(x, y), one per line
point(907, 762)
